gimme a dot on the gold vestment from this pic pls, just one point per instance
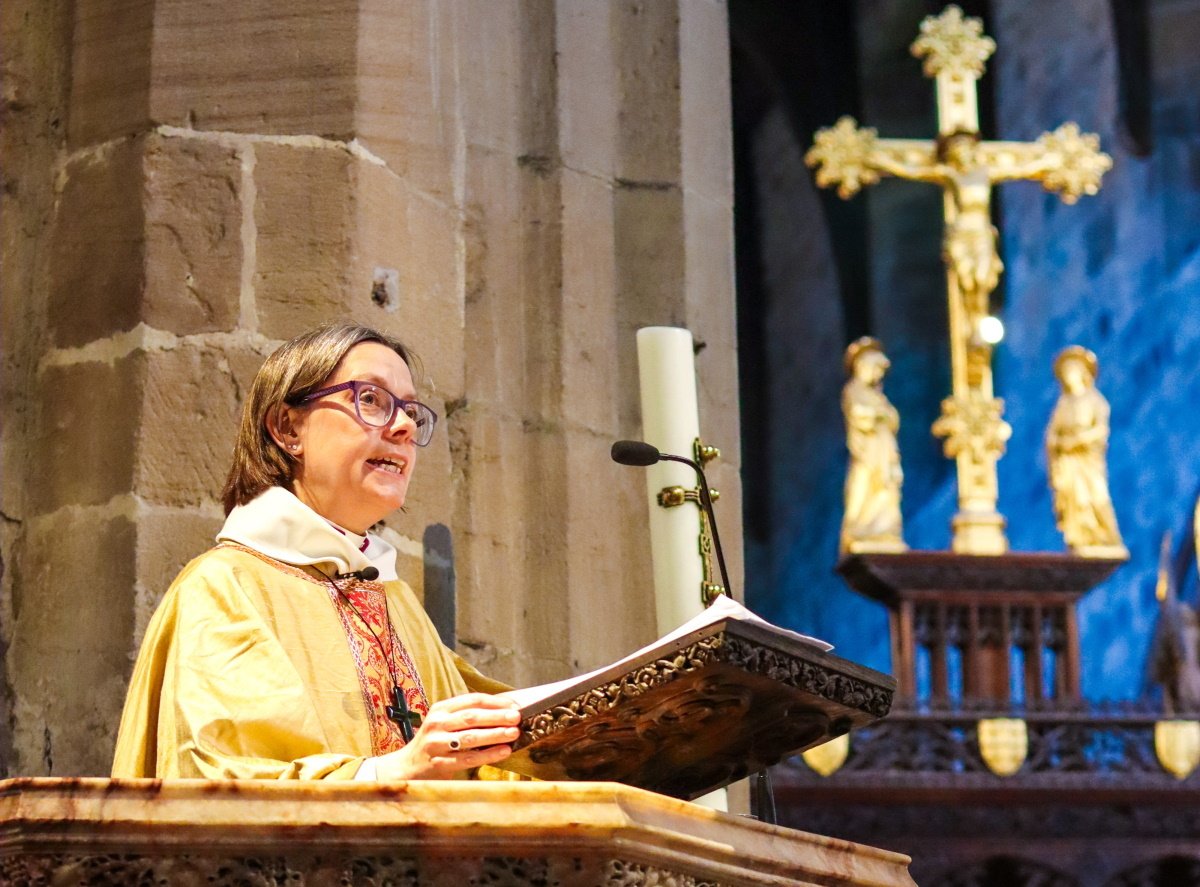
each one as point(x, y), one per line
point(246, 672)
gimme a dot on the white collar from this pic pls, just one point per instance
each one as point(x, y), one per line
point(282, 527)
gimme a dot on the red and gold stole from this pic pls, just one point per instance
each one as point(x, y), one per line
point(371, 661)
point(362, 608)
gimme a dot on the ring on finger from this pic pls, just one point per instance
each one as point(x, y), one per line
point(454, 743)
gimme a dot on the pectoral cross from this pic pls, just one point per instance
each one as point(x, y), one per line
point(1066, 161)
point(400, 714)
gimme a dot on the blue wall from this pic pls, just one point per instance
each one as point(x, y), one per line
point(1118, 273)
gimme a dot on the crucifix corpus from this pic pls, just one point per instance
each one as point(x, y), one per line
point(1067, 161)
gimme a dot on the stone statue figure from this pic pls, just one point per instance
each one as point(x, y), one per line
point(1076, 449)
point(872, 520)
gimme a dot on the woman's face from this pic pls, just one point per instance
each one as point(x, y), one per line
point(347, 471)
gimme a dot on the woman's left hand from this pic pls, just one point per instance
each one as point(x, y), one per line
point(457, 734)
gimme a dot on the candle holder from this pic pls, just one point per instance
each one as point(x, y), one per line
point(674, 496)
point(704, 454)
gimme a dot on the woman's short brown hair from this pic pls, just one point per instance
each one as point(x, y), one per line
point(296, 368)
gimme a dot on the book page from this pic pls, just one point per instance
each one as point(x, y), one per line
point(724, 607)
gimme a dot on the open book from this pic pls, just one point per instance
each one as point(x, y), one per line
point(724, 607)
point(724, 695)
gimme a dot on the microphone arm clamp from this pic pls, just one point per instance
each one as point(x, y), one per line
point(674, 496)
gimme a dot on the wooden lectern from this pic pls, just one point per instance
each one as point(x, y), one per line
point(448, 834)
point(697, 712)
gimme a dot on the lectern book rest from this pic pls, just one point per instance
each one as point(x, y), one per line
point(723, 697)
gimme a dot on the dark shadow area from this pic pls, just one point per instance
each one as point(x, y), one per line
point(439, 579)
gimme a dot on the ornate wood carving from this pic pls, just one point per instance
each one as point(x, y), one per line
point(1061, 743)
point(917, 782)
point(883, 576)
point(980, 617)
point(599, 700)
point(721, 705)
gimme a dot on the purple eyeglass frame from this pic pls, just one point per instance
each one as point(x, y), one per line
point(421, 438)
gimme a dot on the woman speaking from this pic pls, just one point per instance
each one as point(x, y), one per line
point(291, 649)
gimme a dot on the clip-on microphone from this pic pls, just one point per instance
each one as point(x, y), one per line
point(367, 574)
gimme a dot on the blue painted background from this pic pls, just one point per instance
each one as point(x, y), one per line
point(1118, 273)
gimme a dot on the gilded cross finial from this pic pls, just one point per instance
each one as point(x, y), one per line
point(1075, 163)
point(840, 153)
point(954, 44)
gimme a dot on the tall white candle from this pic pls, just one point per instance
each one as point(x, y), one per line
point(671, 422)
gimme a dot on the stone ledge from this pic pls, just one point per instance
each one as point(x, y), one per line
point(73, 818)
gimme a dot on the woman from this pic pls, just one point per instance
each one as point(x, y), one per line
point(291, 649)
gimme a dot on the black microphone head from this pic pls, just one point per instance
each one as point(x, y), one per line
point(635, 452)
point(370, 574)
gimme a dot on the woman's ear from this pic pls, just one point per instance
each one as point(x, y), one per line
point(283, 426)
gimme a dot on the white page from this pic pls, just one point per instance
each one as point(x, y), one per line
point(724, 607)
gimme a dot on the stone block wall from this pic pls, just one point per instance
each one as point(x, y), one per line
point(512, 187)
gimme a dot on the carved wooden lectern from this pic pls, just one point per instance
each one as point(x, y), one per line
point(688, 714)
point(698, 712)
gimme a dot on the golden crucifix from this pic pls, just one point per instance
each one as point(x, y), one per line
point(955, 49)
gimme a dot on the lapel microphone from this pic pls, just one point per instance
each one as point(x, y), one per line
point(366, 574)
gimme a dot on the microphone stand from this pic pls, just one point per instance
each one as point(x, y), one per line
point(706, 504)
point(643, 454)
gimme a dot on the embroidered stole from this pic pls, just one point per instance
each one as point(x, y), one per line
point(370, 603)
point(370, 662)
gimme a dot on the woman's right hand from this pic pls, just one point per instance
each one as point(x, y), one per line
point(457, 734)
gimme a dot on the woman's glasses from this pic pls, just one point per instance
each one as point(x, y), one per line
point(377, 407)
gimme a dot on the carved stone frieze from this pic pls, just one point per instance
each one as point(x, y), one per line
point(121, 870)
point(632, 874)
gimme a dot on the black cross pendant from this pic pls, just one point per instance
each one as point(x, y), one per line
point(399, 713)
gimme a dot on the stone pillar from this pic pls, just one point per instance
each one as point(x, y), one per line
point(512, 187)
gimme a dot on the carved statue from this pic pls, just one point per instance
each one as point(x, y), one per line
point(955, 49)
point(872, 520)
point(1076, 449)
point(969, 246)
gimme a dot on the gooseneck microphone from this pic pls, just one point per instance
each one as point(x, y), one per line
point(641, 454)
point(635, 452)
point(367, 574)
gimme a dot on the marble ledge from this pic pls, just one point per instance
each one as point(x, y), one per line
point(424, 820)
